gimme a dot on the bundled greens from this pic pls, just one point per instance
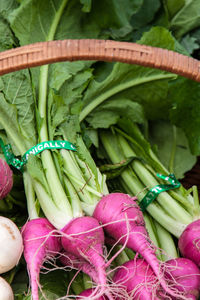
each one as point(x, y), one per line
point(141, 175)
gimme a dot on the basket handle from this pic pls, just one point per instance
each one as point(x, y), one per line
point(41, 53)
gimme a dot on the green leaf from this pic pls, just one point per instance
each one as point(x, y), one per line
point(17, 90)
point(53, 285)
point(186, 19)
point(66, 100)
point(7, 6)
point(9, 122)
point(73, 88)
point(43, 16)
point(7, 40)
point(109, 113)
point(79, 24)
point(173, 6)
point(86, 5)
point(69, 72)
point(37, 27)
point(161, 135)
point(146, 86)
point(122, 11)
point(185, 113)
point(160, 37)
point(190, 43)
point(91, 136)
point(146, 13)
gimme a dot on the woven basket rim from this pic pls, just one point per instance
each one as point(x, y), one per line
point(41, 53)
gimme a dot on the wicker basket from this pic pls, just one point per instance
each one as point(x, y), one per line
point(104, 50)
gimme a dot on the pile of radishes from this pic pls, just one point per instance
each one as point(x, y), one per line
point(11, 243)
point(81, 243)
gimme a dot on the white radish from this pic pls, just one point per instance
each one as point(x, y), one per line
point(6, 292)
point(11, 245)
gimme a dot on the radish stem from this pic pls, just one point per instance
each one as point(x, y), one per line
point(119, 88)
point(57, 190)
point(166, 243)
point(128, 175)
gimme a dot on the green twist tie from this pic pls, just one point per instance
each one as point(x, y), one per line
point(18, 164)
point(156, 190)
point(9, 156)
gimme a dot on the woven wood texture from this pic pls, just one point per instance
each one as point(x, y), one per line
point(103, 50)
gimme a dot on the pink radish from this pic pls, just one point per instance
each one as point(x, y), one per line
point(189, 242)
point(138, 279)
point(69, 260)
point(39, 244)
point(6, 179)
point(83, 237)
point(123, 220)
point(89, 292)
point(185, 275)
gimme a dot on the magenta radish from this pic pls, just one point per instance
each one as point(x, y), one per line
point(89, 292)
point(138, 279)
point(123, 220)
point(185, 275)
point(189, 242)
point(39, 244)
point(6, 179)
point(84, 238)
point(78, 263)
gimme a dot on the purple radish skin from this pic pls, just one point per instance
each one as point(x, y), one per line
point(121, 217)
point(6, 179)
point(186, 275)
point(83, 237)
point(138, 279)
point(69, 260)
point(39, 244)
point(189, 242)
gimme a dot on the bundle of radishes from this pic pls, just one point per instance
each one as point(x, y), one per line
point(80, 244)
point(74, 219)
point(116, 219)
point(77, 216)
point(175, 212)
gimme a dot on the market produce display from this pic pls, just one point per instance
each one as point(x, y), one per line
point(93, 155)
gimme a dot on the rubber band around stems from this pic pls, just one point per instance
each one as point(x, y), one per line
point(35, 150)
point(156, 190)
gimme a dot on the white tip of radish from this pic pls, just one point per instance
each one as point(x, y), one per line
point(11, 245)
point(6, 292)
